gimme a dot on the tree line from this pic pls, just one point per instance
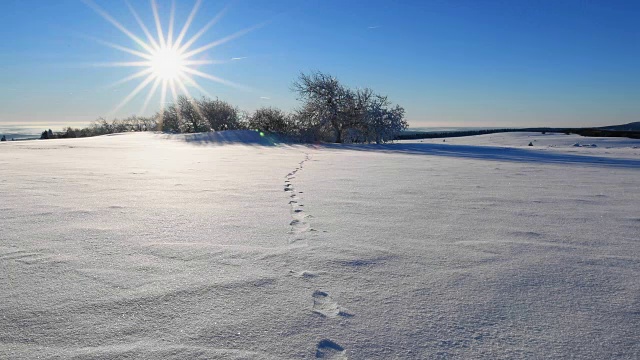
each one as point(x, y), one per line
point(448, 134)
point(329, 112)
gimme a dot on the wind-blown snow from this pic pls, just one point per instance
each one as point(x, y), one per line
point(173, 246)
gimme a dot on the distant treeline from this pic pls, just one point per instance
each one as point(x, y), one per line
point(632, 126)
point(103, 127)
point(591, 132)
point(329, 112)
point(604, 133)
point(447, 134)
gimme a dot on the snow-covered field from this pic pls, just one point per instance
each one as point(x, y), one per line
point(568, 144)
point(150, 246)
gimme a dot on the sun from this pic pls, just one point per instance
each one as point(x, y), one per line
point(167, 64)
point(168, 60)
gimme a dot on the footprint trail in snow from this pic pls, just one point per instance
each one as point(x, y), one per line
point(323, 304)
point(299, 223)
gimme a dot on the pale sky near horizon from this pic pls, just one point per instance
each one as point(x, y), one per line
point(448, 63)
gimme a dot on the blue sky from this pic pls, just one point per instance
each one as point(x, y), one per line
point(449, 63)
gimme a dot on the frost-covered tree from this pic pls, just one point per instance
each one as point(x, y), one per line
point(149, 123)
point(169, 119)
point(69, 132)
point(190, 116)
point(326, 101)
point(220, 114)
point(348, 115)
point(101, 126)
point(382, 121)
point(271, 119)
point(307, 125)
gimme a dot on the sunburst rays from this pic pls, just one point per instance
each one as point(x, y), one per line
point(167, 60)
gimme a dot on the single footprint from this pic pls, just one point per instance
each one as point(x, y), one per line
point(325, 306)
point(328, 349)
point(298, 226)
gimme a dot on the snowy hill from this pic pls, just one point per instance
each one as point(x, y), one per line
point(546, 146)
point(235, 246)
point(634, 126)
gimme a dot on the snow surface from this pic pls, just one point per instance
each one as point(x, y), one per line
point(555, 142)
point(232, 246)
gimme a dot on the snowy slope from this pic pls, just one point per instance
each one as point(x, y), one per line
point(568, 144)
point(155, 246)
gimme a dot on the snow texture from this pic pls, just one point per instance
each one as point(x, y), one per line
point(230, 246)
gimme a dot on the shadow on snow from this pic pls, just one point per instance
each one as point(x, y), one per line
point(491, 153)
point(229, 137)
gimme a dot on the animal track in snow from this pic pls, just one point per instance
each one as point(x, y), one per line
point(324, 305)
point(328, 349)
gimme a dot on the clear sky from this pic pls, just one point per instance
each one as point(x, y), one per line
point(449, 63)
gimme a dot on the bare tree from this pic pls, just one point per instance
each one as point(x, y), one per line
point(326, 100)
point(352, 116)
